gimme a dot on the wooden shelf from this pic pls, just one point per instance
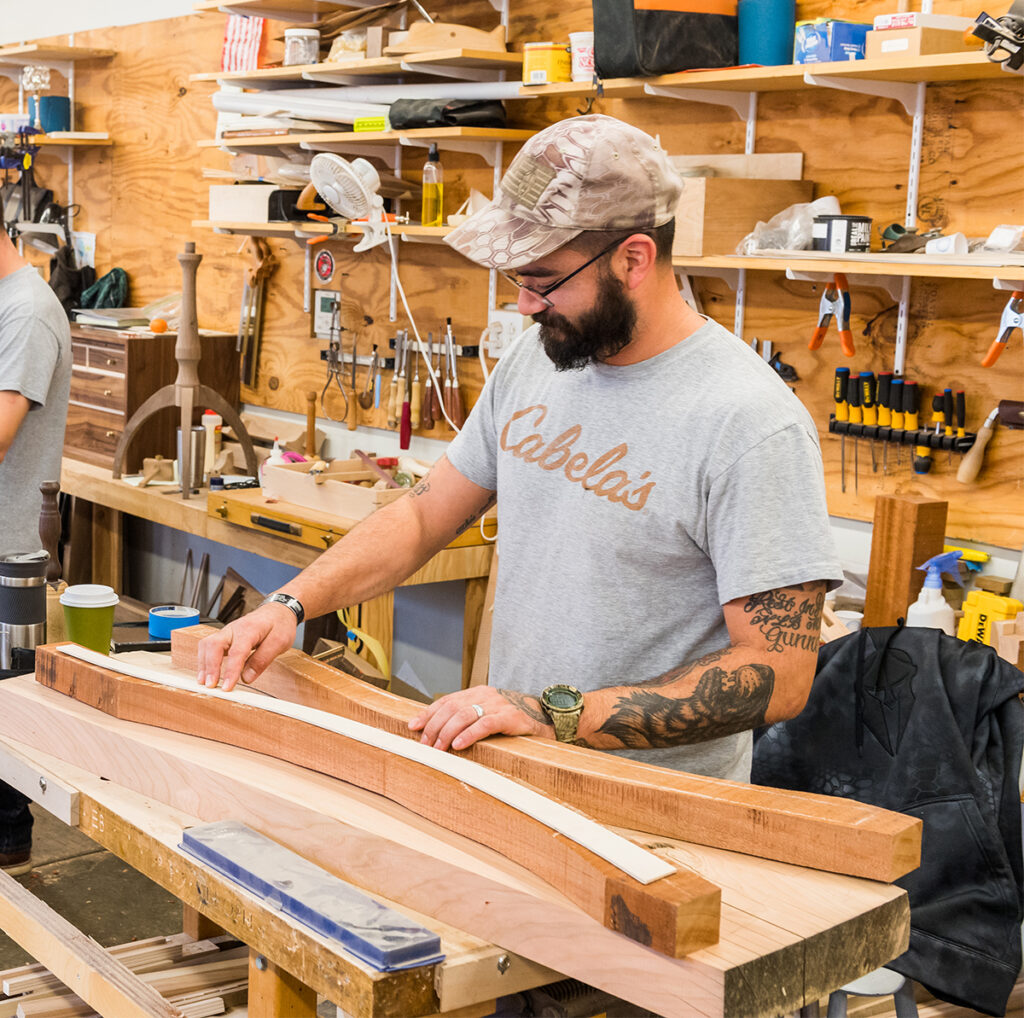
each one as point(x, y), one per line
point(423, 135)
point(413, 65)
point(936, 68)
point(314, 229)
point(39, 53)
point(279, 10)
point(67, 138)
point(987, 266)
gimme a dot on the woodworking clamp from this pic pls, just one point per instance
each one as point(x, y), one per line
point(835, 303)
point(1012, 318)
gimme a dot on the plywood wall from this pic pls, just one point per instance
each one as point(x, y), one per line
point(141, 195)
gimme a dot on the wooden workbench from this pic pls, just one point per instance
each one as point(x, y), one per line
point(789, 935)
point(102, 502)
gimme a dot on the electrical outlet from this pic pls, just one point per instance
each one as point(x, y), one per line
point(504, 325)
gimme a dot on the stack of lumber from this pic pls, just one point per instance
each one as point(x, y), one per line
point(197, 977)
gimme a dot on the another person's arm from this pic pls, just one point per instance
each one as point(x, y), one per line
point(14, 408)
point(763, 676)
point(372, 558)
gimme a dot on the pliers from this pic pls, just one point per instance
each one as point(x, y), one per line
point(1012, 318)
point(835, 302)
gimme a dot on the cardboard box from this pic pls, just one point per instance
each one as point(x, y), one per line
point(715, 213)
point(914, 42)
point(826, 40)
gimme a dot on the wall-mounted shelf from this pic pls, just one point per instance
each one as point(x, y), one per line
point(50, 56)
point(280, 10)
point(989, 266)
point(73, 138)
point(413, 66)
point(303, 231)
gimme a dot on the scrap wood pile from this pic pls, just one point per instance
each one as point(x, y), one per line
point(199, 977)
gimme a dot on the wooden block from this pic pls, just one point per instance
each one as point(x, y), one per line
point(914, 42)
point(1001, 585)
point(675, 914)
point(908, 530)
point(811, 830)
point(275, 993)
point(715, 213)
point(758, 165)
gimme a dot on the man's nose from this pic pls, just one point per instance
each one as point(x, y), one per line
point(531, 303)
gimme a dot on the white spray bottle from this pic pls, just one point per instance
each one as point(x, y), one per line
point(931, 610)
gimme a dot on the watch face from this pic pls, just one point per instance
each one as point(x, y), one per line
point(562, 699)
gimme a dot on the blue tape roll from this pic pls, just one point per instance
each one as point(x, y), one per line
point(165, 618)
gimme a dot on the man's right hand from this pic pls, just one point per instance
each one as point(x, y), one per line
point(243, 649)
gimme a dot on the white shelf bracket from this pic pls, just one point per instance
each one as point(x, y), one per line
point(459, 73)
point(387, 152)
point(899, 357)
point(893, 285)
point(731, 277)
point(906, 94)
point(742, 102)
point(1008, 284)
point(489, 151)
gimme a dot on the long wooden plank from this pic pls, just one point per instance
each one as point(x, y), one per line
point(780, 923)
point(675, 914)
point(824, 832)
point(77, 960)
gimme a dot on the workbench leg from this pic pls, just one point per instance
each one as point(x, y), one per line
point(274, 993)
point(107, 546)
point(196, 925)
point(378, 618)
point(473, 613)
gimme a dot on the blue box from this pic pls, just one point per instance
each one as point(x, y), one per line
point(825, 40)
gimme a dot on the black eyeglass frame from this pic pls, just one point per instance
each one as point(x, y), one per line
point(543, 294)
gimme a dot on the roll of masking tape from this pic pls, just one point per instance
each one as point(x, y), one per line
point(165, 618)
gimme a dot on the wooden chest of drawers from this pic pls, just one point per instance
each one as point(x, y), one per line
point(115, 372)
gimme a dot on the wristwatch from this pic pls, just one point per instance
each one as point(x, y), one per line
point(289, 602)
point(563, 705)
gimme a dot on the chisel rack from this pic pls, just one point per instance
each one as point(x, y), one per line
point(902, 436)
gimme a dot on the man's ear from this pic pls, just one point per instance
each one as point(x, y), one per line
point(638, 256)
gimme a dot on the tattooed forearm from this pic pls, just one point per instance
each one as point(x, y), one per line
point(786, 619)
point(420, 488)
point(722, 703)
point(466, 524)
point(529, 705)
point(673, 674)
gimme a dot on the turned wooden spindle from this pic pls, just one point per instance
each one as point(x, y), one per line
point(49, 529)
point(311, 425)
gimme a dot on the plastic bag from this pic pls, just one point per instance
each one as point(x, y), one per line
point(790, 229)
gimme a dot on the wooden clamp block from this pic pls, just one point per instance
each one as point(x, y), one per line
point(908, 530)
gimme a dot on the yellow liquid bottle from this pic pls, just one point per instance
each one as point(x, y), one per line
point(433, 190)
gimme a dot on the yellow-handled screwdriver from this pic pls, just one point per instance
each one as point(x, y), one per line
point(867, 399)
point(853, 396)
point(896, 403)
point(884, 401)
point(842, 413)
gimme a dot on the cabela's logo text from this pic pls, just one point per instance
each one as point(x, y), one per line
point(522, 438)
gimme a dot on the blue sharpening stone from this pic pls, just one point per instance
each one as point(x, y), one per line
point(375, 934)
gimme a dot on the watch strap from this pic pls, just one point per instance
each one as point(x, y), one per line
point(289, 602)
point(566, 723)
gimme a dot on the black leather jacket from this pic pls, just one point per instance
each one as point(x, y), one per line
point(931, 726)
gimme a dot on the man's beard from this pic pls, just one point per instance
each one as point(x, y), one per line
point(598, 334)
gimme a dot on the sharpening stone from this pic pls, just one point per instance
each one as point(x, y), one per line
point(377, 935)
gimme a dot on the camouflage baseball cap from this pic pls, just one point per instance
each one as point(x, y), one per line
point(584, 173)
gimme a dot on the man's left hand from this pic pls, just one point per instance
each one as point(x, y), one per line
point(464, 717)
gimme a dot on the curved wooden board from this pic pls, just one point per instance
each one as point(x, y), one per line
point(823, 832)
point(674, 915)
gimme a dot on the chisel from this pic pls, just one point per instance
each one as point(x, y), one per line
point(883, 399)
point(428, 388)
point(458, 414)
point(393, 404)
point(416, 398)
point(405, 413)
point(842, 413)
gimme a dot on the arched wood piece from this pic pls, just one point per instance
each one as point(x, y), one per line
point(674, 915)
point(823, 832)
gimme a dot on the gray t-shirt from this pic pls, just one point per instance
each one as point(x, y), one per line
point(633, 502)
point(35, 360)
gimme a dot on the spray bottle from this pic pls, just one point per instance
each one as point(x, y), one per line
point(931, 609)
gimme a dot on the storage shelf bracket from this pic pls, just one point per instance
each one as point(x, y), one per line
point(419, 238)
point(335, 78)
point(731, 277)
point(459, 73)
point(738, 101)
point(893, 285)
point(489, 151)
point(905, 94)
point(387, 152)
point(1008, 284)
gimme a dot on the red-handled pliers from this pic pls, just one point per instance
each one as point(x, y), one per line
point(1012, 318)
point(835, 302)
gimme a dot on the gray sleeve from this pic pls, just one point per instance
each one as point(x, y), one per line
point(768, 520)
point(28, 357)
point(473, 450)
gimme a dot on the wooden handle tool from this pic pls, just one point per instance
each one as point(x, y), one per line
point(970, 465)
point(310, 425)
point(371, 464)
point(393, 403)
point(427, 421)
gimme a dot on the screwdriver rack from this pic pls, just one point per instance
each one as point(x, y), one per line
point(901, 436)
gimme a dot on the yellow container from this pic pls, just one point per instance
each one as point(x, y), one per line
point(546, 62)
point(981, 609)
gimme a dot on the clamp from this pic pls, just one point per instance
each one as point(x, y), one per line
point(835, 303)
point(1012, 318)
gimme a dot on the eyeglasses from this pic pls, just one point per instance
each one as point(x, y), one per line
point(543, 294)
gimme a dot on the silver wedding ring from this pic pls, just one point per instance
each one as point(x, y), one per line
point(479, 710)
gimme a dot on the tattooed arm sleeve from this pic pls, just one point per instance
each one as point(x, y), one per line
point(763, 676)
